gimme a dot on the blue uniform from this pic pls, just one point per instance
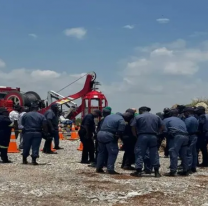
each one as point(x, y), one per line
point(147, 126)
point(96, 142)
point(129, 142)
point(107, 142)
point(203, 138)
point(50, 115)
point(87, 138)
point(192, 128)
point(5, 133)
point(176, 130)
point(32, 133)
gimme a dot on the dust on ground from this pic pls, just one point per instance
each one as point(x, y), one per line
point(60, 180)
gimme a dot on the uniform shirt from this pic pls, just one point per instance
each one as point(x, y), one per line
point(100, 124)
point(147, 123)
point(20, 120)
point(174, 126)
point(5, 131)
point(192, 124)
point(128, 129)
point(203, 124)
point(88, 121)
point(113, 123)
point(33, 122)
point(14, 116)
point(50, 115)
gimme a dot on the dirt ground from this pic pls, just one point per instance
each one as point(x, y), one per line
point(60, 180)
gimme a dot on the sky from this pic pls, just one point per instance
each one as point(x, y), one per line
point(145, 53)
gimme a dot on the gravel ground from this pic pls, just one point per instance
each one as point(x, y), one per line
point(60, 180)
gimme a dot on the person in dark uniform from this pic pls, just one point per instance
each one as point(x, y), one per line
point(86, 134)
point(146, 126)
point(176, 130)
point(192, 125)
point(106, 111)
point(111, 130)
point(202, 135)
point(129, 141)
point(5, 133)
point(166, 112)
point(33, 124)
point(52, 118)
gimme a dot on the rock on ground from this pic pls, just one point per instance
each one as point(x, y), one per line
point(60, 180)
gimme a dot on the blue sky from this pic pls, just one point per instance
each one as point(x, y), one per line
point(107, 47)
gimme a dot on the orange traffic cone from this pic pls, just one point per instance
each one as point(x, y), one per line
point(73, 127)
point(80, 148)
point(13, 144)
point(61, 136)
point(74, 135)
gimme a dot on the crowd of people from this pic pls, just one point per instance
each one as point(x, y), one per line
point(185, 131)
point(184, 128)
point(30, 127)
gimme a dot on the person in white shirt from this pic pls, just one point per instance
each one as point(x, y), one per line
point(14, 117)
point(20, 126)
point(64, 121)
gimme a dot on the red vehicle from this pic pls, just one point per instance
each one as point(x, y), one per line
point(90, 96)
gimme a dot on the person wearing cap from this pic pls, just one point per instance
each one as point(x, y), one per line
point(5, 133)
point(106, 111)
point(176, 130)
point(192, 125)
point(33, 124)
point(129, 141)
point(146, 127)
point(52, 118)
point(86, 133)
point(14, 117)
point(111, 130)
point(202, 135)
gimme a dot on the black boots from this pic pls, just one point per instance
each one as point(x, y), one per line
point(112, 172)
point(128, 168)
point(138, 173)
point(24, 160)
point(6, 161)
point(157, 174)
point(100, 170)
point(34, 161)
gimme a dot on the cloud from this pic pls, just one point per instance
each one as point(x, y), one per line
point(199, 34)
point(160, 75)
point(33, 36)
point(129, 27)
point(41, 81)
point(2, 63)
point(163, 20)
point(78, 32)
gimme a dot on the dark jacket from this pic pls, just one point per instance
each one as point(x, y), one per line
point(5, 130)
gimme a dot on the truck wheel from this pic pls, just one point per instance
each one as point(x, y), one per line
point(16, 97)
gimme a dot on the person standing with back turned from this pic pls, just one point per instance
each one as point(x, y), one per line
point(86, 133)
point(34, 124)
point(5, 133)
point(52, 118)
point(146, 127)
